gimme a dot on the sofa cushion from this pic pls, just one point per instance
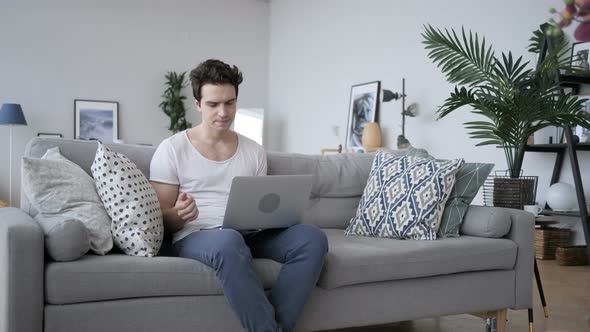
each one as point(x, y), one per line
point(58, 187)
point(404, 197)
point(357, 259)
point(95, 278)
point(82, 153)
point(469, 179)
point(483, 222)
point(131, 202)
point(66, 238)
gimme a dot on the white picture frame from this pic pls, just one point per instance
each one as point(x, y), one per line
point(96, 120)
point(584, 133)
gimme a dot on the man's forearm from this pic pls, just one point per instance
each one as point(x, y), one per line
point(172, 222)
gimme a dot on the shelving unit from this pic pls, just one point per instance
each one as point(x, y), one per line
point(560, 150)
point(574, 82)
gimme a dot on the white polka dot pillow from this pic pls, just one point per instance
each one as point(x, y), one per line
point(131, 202)
point(404, 197)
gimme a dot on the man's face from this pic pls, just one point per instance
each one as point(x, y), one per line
point(217, 106)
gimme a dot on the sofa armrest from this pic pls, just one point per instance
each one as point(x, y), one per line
point(516, 225)
point(21, 272)
point(522, 232)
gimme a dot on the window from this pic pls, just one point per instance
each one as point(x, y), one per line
point(250, 123)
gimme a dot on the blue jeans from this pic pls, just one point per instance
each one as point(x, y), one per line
point(301, 249)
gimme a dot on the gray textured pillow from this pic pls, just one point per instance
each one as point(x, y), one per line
point(57, 186)
point(486, 222)
point(66, 238)
point(469, 179)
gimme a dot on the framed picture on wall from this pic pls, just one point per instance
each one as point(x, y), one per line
point(579, 58)
point(363, 108)
point(96, 120)
point(584, 133)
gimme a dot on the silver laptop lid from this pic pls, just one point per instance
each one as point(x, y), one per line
point(261, 202)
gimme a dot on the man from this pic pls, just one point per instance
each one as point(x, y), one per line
point(192, 171)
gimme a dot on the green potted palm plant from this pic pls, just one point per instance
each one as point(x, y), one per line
point(514, 98)
point(173, 103)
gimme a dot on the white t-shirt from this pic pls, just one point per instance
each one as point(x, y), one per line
point(176, 161)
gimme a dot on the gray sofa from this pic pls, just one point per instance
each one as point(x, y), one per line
point(365, 281)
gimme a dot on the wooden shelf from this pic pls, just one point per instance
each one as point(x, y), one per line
point(549, 212)
point(574, 79)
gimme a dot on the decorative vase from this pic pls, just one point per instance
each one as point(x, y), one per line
point(562, 197)
point(371, 138)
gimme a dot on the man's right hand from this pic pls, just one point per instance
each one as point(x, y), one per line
point(186, 208)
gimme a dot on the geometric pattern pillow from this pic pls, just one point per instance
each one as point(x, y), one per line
point(469, 179)
point(131, 202)
point(404, 197)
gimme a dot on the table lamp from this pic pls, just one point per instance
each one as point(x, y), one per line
point(411, 111)
point(11, 115)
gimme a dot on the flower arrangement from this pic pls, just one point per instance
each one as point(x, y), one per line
point(575, 10)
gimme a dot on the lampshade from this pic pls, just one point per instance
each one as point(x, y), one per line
point(412, 110)
point(12, 114)
point(403, 142)
point(371, 136)
point(389, 95)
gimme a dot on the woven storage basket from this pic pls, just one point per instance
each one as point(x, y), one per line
point(571, 255)
point(547, 239)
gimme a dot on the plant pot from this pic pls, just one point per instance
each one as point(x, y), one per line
point(514, 192)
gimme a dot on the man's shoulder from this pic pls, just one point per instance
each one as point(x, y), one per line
point(249, 144)
point(175, 141)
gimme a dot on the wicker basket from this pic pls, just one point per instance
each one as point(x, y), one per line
point(504, 191)
point(571, 255)
point(547, 239)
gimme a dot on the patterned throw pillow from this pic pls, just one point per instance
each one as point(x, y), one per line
point(469, 179)
point(404, 197)
point(131, 202)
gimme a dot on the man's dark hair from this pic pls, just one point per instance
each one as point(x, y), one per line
point(214, 72)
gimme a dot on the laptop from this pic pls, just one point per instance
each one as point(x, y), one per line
point(262, 202)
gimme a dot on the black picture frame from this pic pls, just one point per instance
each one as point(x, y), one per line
point(579, 58)
point(96, 120)
point(363, 107)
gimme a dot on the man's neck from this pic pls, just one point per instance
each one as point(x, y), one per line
point(210, 137)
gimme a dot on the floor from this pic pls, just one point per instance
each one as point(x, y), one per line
point(567, 290)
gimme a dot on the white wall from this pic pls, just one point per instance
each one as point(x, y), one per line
point(52, 52)
point(319, 48)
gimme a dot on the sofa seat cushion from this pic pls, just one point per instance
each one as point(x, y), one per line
point(358, 259)
point(96, 278)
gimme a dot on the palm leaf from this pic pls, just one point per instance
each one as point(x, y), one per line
point(464, 61)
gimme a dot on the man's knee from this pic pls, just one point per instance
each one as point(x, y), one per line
point(231, 245)
point(312, 237)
